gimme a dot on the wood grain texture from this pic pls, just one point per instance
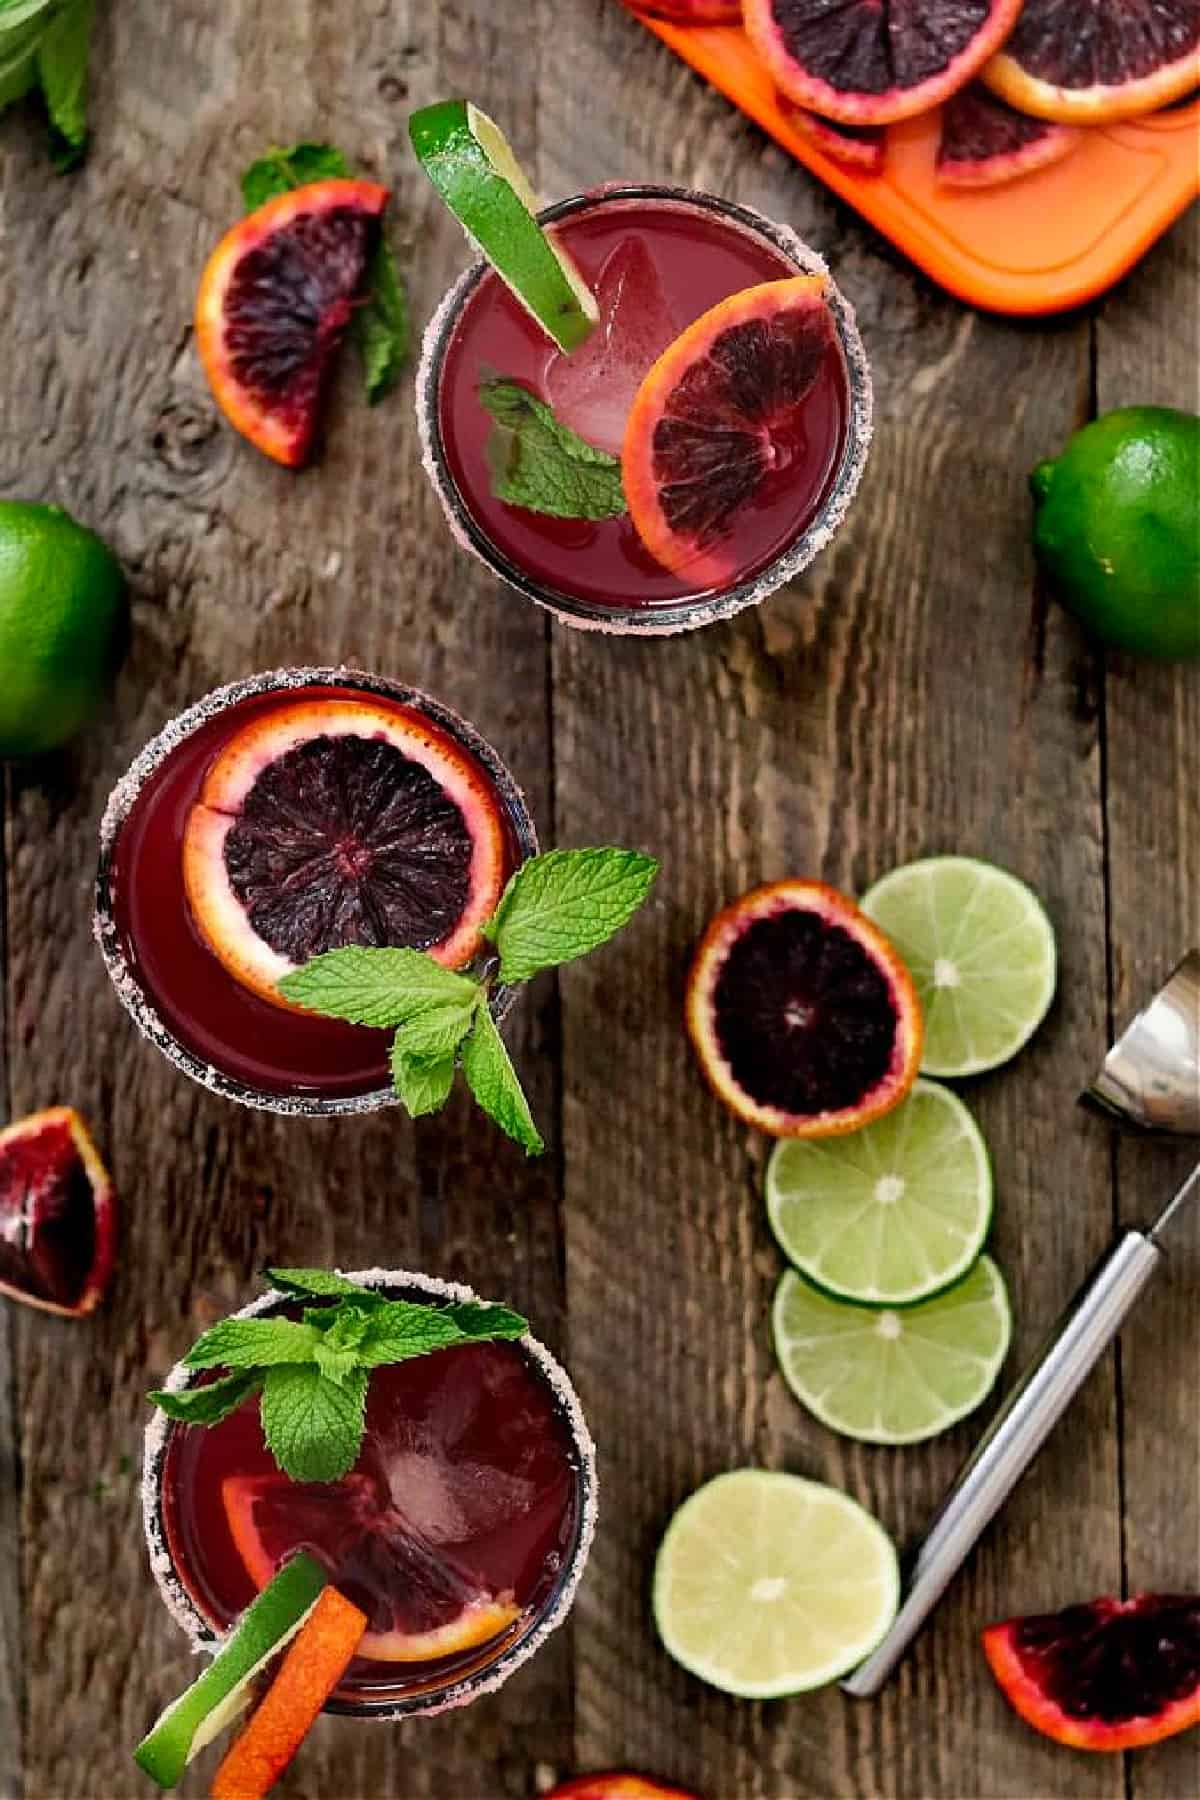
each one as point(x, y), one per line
point(1148, 353)
point(909, 695)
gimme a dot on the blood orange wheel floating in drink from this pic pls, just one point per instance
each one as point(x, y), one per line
point(460, 1531)
point(293, 813)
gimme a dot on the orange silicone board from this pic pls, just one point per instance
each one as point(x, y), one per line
point(1039, 244)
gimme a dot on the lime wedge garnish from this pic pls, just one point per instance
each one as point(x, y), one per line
point(893, 1377)
point(470, 163)
point(224, 1689)
point(981, 952)
point(767, 1584)
point(891, 1214)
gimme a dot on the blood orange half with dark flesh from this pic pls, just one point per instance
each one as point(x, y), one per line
point(57, 1214)
point(333, 822)
point(719, 416)
point(1104, 1675)
point(1084, 62)
point(871, 62)
point(804, 1018)
point(275, 299)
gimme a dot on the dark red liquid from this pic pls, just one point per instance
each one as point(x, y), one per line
point(698, 259)
point(467, 1453)
point(265, 1047)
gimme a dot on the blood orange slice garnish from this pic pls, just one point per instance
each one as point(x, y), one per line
point(804, 1018)
point(57, 1215)
point(275, 298)
point(420, 1604)
point(718, 415)
point(331, 822)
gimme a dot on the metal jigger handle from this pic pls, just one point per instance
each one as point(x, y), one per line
point(1012, 1441)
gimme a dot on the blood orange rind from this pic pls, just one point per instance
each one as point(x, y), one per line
point(874, 1018)
point(860, 147)
point(845, 63)
point(983, 141)
point(616, 1784)
point(1091, 62)
point(693, 453)
point(57, 1214)
point(221, 913)
point(1111, 1646)
point(314, 239)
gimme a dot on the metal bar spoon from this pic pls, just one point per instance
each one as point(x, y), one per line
point(1150, 1079)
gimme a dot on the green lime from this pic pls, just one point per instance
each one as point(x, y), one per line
point(470, 163)
point(893, 1376)
point(225, 1688)
point(767, 1584)
point(62, 616)
point(1117, 528)
point(891, 1214)
point(981, 952)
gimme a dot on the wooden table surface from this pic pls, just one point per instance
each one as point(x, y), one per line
point(912, 694)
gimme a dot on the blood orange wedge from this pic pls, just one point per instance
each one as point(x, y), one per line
point(1084, 62)
point(616, 1785)
point(420, 1604)
point(718, 416)
point(1105, 1675)
point(275, 298)
point(870, 62)
point(333, 822)
point(804, 1018)
point(57, 1215)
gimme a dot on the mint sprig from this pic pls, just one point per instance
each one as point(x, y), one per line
point(541, 464)
point(313, 1374)
point(555, 908)
point(380, 325)
point(44, 45)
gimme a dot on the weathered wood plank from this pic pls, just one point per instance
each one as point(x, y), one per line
point(900, 700)
point(1148, 342)
point(237, 565)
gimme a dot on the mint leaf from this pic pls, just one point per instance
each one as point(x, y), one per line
point(62, 66)
point(376, 987)
point(380, 326)
point(337, 1352)
point(253, 1344)
point(313, 1426)
point(479, 1320)
point(279, 171)
point(18, 59)
point(540, 464)
point(563, 904)
point(494, 1083)
point(437, 1032)
point(404, 1328)
point(319, 1283)
point(209, 1404)
point(423, 1086)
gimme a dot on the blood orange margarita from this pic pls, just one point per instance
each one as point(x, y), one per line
point(294, 812)
point(656, 258)
point(465, 1522)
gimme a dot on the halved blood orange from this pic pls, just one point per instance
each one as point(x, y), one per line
point(871, 62)
point(57, 1213)
point(714, 416)
point(1085, 62)
point(1106, 1674)
point(420, 1604)
point(341, 821)
point(275, 298)
point(619, 1784)
point(804, 1018)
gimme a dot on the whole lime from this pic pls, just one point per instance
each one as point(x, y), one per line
point(62, 623)
point(1117, 528)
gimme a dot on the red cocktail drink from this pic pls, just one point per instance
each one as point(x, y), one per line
point(461, 1532)
point(656, 259)
point(152, 921)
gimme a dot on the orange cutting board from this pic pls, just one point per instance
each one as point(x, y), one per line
point(1044, 242)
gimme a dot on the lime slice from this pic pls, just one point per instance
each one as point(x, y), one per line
point(767, 1584)
point(893, 1377)
point(224, 1689)
point(470, 163)
point(981, 951)
point(891, 1214)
